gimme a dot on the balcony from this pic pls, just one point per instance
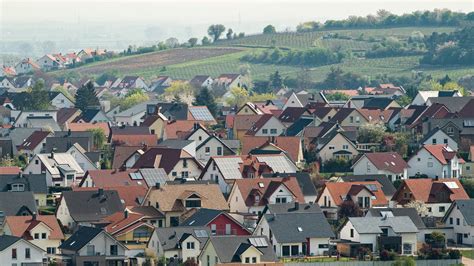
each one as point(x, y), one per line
point(224, 232)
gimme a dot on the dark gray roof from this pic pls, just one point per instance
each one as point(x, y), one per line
point(372, 225)
point(298, 126)
point(229, 248)
point(387, 187)
point(304, 181)
point(89, 206)
point(283, 208)
point(409, 212)
point(94, 156)
point(454, 104)
point(466, 207)
point(170, 237)
point(42, 122)
point(15, 203)
point(202, 217)
point(377, 103)
point(63, 144)
point(175, 143)
point(35, 183)
point(6, 241)
point(234, 144)
point(297, 227)
point(80, 238)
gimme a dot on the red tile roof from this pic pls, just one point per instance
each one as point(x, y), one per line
point(134, 140)
point(424, 189)
point(21, 226)
point(89, 126)
point(441, 152)
point(178, 127)
point(10, 170)
point(291, 145)
point(339, 190)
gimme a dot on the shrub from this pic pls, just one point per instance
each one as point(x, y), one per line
point(454, 254)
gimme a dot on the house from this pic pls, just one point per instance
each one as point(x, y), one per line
point(388, 188)
point(16, 204)
point(26, 66)
point(438, 136)
point(259, 108)
point(225, 169)
point(460, 217)
point(266, 125)
point(212, 146)
point(177, 163)
point(18, 251)
point(181, 243)
point(34, 144)
point(237, 250)
point(366, 194)
point(7, 71)
point(435, 161)
point(50, 62)
point(390, 164)
point(422, 97)
point(61, 169)
point(336, 144)
point(24, 82)
point(378, 233)
point(129, 83)
point(63, 141)
point(251, 195)
point(201, 81)
point(241, 124)
point(21, 118)
point(301, 100)
point(291, 114)
point(92, 115)
point(95, 246)
point(175, 198)
point(72, 211)
point(349, 117)
point(132, 136)
point(201, 114)
point(160, 84)
point(123, 177)
point(199, 134)
point(296, 232)
point(229, 81)
point(66, 116)
point(437, 195)
point(59, 100)
point(218, 221)
point(19, 182)
point(42, 231)
point(291, 146)
point(7, 82)
point(178, 129)
point(134, 228)
point(304, 181)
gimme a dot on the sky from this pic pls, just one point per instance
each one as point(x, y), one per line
point(120, 22)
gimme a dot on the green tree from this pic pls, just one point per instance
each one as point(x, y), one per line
point(238, 97)
point(205, 98)
point(229, 34)
point(86, 97)
point(371, 133)
point(276, 82)
point(335, 78)
point(337, 96)
point(39, 97)
point(98, 138)
point(132, 98)
point(192, 42)
point(349, 209)
point(205, 41)
point(269, 29)
point(215, 31)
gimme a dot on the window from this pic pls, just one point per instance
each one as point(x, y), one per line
point(458, 221)
point(51, 250)
point(37, 235)
point(407, 248)
point(295, 250)
point(213, 229)
point(185, 163)
point(450, 131)
point(445, 141)
point(18, 187)
point(434, 141)
point(219, 150)
point(247, 260)
point(450, 220)
point(208, 260)
point(200, 138)
point(345, 147)
point(69, 177)
point(331, 147)
point(207, 150)
point(281, 200)
point(360, 201)
point(273, 131)
point(113, 250)
point(184, 174)
point(352, 232)
point(264, 131)
point(430, 164)
point(384, 232)
point(43, 236)
point(323, 246)
point(418, 159)
point(193, 203)
point(442, 209)
point(174, 221)
point(257, 198)
point(90, 250)
point(13, 253)
point(367, 202)
point(351, 119)
point(254, 259)
point(36, 161)
point(141, 232)
point(214, 166)
point(190, 245)
point(285, 251)
point(174, 174)
point(27, 253)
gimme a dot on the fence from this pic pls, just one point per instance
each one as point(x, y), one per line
point(376, 263)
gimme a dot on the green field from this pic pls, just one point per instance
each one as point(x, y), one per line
point(222, 57)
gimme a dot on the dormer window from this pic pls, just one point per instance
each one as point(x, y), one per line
point(257, 198)
point(185, 163)
point(18, 187)
point(193, 201)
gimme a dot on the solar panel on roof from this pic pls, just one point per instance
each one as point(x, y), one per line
point(371, 187)
point(278, 163)
point(451, 184)
point(201, 233)
point(153, 176)
point(202, 114)
point(229, 167)
point(135, 176)
point(258, 242)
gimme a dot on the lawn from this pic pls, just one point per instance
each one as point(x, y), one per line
point(468, 253)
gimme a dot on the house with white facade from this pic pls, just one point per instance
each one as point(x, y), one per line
point(20, 118)
point(212, 146)
point(18, 251)
point(26, 66)
point(435, 161)
point(378, 233)
point(59, 100)
point(182, 243)
point(390, 164)
point(267, 125)
point(438, 136)
point(460, 216)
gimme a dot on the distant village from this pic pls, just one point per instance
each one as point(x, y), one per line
point(298, 177)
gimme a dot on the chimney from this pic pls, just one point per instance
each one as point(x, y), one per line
point(157, 185)
point(125, 213)
point(69, 132)
point(52, 155)
point(297, 205)
point(100, 191)
point(33, 216)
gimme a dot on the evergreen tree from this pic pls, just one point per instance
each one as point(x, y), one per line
point(205, 98)
point(86, 97)
point(39, 97)
point(276, 82)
